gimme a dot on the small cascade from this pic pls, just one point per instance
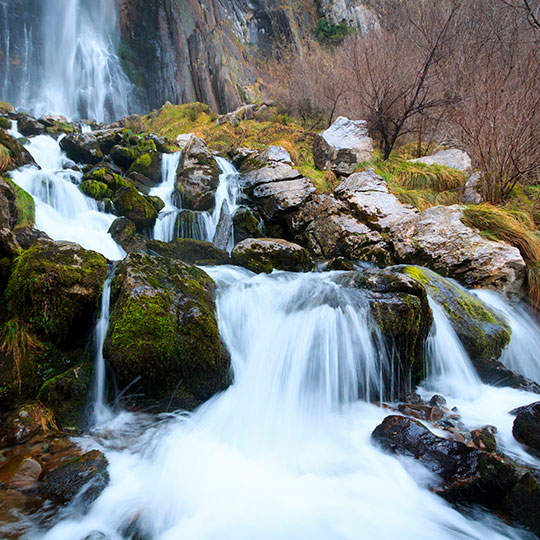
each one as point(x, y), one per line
point(67, 61)
point(101, 411)
point(523, 352)
point(165, 223)
point(62, 210)
point(448, 366)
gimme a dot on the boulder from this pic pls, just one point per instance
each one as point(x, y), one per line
point(130, 204)
point(472, 191)
point(224, 228)
point(453, 158)
point(247, 224)
point(29, 126)
point(163, 334)
point(28, 236)
point(85, 476)
point(147, 163)
point(82, 148)
point(342, 146)
point(124, 233)
point(524, 503)
point(267, 254)
point(190, 251)
point(19, 156)
point(369, 199)
point(270, 172)
point(198, 176)
point(275, 199)
point(526, 428)
point(20, 472)
point(9, 214)
point(23, 423)
point(438, 239)
point(464, 473)
point(56, 286)
point(123, 156)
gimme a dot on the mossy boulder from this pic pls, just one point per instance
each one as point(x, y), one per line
point(95, 189)
point(190, 251)
point(163, 331)
point(123, 156)
point(82, 148)
point(18, 154)
point(56, 287)
point(28, 126)
point(5, 123)
point(147, 164)
point(131, 204)
point(105, 175)
point(125, 234)
point(267, 254)
point(66, 395)
point(247, 224)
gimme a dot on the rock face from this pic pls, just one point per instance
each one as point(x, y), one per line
point(190, 251)
point(19, 156)
point(82, 148)
point(57, 286)
point(350, 12)
point(163, 332)
point(454, 158)
point(526, 428)
point(438, 239)
point(342, 146)
point(466, 474)
point(267, 254)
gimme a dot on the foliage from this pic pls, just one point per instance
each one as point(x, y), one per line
point(331, 33)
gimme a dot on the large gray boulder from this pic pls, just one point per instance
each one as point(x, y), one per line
point(342, 146)
point(453, 158)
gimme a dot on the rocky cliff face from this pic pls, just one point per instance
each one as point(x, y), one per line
point(207, 50)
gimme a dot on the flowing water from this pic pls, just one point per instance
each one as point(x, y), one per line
point(62, 59)
point(285, 452)
point(62, 210)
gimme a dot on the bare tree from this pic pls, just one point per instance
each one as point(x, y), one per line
point(530, 8)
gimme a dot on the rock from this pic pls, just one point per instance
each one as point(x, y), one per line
point(104, 174)
point(20, 472)
point(224, 227)
point(351, 13)
point(124, 233)
point(29, 126)
point(96, 190)
point(123, 156)
point(190, 251)
point(453, 158)
point(273, 172)
point(130, 204)
point(437, 238)
point(265, 255)
point(9, 213)
point(465, 474)
point(484, 438)
point(23, 423)
point(526, 428)
point(18, 154)
point(524, 503)
point(239, 155)
point(163, 334)
point(342, 146)
point(278, 198)
point(67, 396)
point(82, 148)
point(198, 176)
point(147, 163)
point(471, 193)
point(247, 224)
point(85, 476)
point(369, 199)
point(56, 286)
point(28, 236)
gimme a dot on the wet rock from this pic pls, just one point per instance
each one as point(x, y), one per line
point(123, 156)
point(465, 474)
point(124, 233)
point(524, 503)
point(340, 264)
point(9, 213)
point(438, 239)
point(484, 438)
point(342, 146)
point(526, 428)
point(265, 255)
point(20, 472)
point(82, 148)
point(130, 204)
point(29, 126)
point(190, 251)
point(163, 334)
point(224, 227)
point(247, 224)
point(453, 158)
point(20, 425)
point(198, 176)
point(18, 154)
point(28, 236)
point(86, 476)
point(56, 286)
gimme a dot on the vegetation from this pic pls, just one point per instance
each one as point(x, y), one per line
point(331, 33)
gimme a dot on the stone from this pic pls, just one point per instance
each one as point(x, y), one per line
point(82, 148)
point(471, 193)
point(23, 423)
point(524, 503)
point(267, 254)
point(484, 438)
point(273, 172)
point(438, 239)
point(453, 158)
point(130, 204)
point(20, 472)
point(29, 126)
point(526, 428)
point(190, 251)
point(247, 224)
point(18, 154)
point(125, 234)
point(343, 146)
point(350, 12)
point(163, 339)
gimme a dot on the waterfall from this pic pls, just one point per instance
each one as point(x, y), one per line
point(65, 62)
point(165, 223)
point(62, 210)
point(102, 413)
point(285, 452)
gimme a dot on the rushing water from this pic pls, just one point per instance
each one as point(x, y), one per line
point(62, 210)
point(285, 452)
point(63, 59)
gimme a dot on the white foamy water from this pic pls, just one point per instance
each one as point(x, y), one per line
point(285, 452)
point(62, 210)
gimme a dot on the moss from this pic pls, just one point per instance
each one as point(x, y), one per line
point(60, 127)
point(134, 206)
point(5, 123)
point(26, 208)
point(190, 251)
point(105, 176)
point(482, 331)
point(6, 107)
point(96, 190)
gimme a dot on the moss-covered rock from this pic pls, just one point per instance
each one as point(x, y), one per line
point(147, 164)
point(66, 395)
point(18, 155)
point(5, 123)
point(247, 224)
point(82, 148)
point(125, 235)
point(190, 251)
point(265, 255)
point(131, 204)
point(95, 189)
point(123, 156)
point(105, 175)
point(56, 286)
point(17, 207)
point(163, 331)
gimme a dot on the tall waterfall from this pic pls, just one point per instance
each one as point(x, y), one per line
point(64, 59)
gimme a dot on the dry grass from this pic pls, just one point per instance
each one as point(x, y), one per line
point(497, 223)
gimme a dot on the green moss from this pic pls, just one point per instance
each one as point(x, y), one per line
point(60, 127)
point(5, 122)
point(134, 206)
point(96, 190)
point(26, 208)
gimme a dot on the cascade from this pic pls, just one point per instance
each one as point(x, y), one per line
point(284, 452)
point(65, 61)
point(62, 210)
